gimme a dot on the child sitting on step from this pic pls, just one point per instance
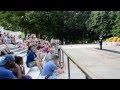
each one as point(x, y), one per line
point(19, 62)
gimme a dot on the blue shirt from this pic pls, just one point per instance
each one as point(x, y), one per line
point(8, 40)
point(30, 57)
point(5, 73)
point(49, 56)
point(49, 68)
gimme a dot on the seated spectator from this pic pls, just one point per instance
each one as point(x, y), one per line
point(13, 40)
point(8, 40)
point(32, 59)
point(8, 34)
point(4, 49)
point(7, 64)
point(6, 46)
point(19, 39)
point(43, 54)
point(19, 42)
point(46, 47)
point(26, 45)
point(52, 70)
point(38, 46)
point(50, 55)
point(4, 34)
point(19, 62)
point(1, 37)
point(53, 43)
point(38, 53)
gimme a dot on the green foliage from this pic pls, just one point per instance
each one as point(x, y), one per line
point(116, 27)
point(73, 26)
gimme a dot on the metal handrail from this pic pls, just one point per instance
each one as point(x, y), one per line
point(87, 73)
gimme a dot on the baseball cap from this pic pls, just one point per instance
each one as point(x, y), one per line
point(7, 58)
point(55, 57)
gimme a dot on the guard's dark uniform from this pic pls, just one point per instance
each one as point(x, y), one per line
point(100, 41)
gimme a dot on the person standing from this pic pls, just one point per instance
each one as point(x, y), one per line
point(100, 41)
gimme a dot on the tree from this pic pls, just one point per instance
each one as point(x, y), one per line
point(100, 21)
point(72, 26)
point(10, 20)
point(116, 27)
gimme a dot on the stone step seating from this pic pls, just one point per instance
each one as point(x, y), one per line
point(62, 76)
point(34, 72)
point(15, 49)
point(19, 52)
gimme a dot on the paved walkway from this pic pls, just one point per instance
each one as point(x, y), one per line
point(104, 64)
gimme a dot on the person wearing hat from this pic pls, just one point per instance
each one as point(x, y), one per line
point(51, 69)
point(7, 64)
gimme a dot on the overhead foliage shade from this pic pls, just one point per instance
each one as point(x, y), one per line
point(72, 26)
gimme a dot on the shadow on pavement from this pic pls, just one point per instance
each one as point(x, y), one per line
point(109, 50)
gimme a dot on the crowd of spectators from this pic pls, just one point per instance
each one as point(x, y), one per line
point(41, 53)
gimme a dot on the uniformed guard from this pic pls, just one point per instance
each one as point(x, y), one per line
point(100, 41)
